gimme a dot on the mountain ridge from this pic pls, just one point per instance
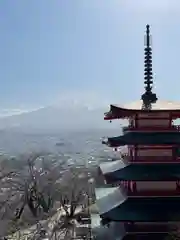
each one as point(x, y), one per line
point(57, 117)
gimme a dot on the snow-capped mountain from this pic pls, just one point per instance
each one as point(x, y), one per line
point(57, 117)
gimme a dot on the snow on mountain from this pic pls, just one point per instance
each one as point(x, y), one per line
point(57, 117)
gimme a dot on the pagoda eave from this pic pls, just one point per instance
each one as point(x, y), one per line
point(120, 171)
point(117, 112)
point(117, 206)
point(146, 138)
point(153, 211)
point(118, 176)
point(121, 215)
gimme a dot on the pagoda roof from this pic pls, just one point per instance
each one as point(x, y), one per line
point(145, 138)
point(111, 200)
point(118, 170)
point(104, 191)
point(127, 110)
point(159, 105)
point(118, 207)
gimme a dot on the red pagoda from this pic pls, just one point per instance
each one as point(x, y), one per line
point(146, 202)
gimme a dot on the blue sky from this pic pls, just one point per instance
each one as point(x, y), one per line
point(85, 50)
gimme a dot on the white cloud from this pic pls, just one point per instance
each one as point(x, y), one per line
point(14, 111)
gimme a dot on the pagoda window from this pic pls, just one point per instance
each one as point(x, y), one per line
point(156, 186)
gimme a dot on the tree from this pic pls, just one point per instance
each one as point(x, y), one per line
point(50, 199)
point(73, 198)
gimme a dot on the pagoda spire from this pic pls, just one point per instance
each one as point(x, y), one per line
point(148, 97)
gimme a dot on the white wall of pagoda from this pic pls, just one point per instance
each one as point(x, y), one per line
point(153, 123)
point(151, 188)
point(152, 153)
point(154, 115)
point(143, 152)
point(151, 120)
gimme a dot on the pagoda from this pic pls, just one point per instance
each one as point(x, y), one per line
point(145, 191)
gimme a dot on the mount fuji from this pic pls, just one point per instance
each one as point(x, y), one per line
point(57, 118)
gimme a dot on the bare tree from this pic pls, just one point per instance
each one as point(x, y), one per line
point(23, 190)
point(50, 199)
point(73, 199)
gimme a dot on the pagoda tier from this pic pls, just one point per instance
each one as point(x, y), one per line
point(144, 138)
point(159, 108)
point(120, 171)
point(119, 207)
